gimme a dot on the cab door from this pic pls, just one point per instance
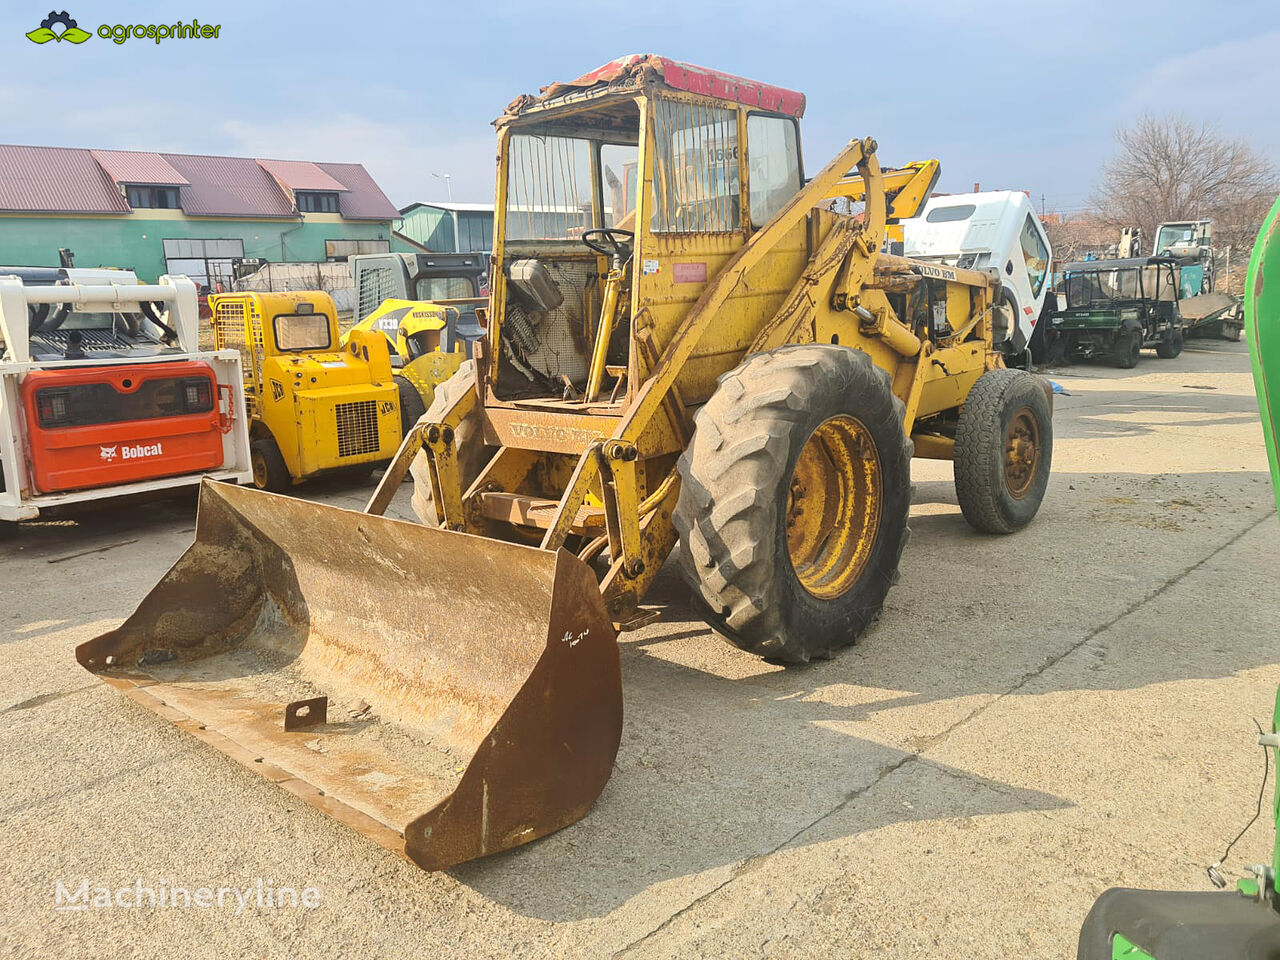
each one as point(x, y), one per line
point(695, 211)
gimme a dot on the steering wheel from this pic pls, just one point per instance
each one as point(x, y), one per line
point(618, 241)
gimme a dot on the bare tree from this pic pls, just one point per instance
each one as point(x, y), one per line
point(1170, 168)
point(1074, 236)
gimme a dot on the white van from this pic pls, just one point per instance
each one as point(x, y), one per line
point(997, 230)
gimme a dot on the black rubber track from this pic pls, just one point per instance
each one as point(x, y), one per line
point(979, 456)
point(735, 478)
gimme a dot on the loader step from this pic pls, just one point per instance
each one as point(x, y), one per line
point(537, 512)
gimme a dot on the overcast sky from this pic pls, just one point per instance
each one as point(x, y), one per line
point(1014, 95)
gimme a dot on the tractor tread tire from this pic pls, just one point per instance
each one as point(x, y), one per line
point(411, 406)
point(979, 454)
point(277, 479)
point(1127, 351)
point(735, 477)
point(473, 454)
point(1171, 348)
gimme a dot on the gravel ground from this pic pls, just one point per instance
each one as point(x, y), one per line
point(1035, 718)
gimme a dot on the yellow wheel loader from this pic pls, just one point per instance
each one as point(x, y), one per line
point(315, 406)
point(708, 358)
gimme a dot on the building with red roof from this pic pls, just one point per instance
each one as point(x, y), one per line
point(190, 214)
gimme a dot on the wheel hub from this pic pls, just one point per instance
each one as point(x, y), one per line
point(1021, 453)
point(834, 503)
point(259, 466)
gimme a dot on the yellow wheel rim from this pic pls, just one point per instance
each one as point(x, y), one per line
point(1021, 453)
point(259, 464)
point(833, 507)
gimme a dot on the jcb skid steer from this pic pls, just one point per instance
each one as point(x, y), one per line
point(681, 345)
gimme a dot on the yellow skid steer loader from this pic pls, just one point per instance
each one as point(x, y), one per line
point(706, 357)
point(422, 337)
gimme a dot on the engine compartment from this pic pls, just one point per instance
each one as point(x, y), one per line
point(551, 323)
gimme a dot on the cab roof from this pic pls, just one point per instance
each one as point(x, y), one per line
point(650, 68)
point(1088, 266)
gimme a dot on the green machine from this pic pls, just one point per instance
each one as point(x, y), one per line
point(1262, 317)
point(1244, 923)
point(1112, 309)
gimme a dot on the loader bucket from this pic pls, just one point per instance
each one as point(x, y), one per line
point(447, 695)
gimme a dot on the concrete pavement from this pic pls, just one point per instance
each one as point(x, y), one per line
point(1034, 718)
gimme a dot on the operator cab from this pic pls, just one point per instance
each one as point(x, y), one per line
point(64, 331)
point(449, 280)
point(619, 195)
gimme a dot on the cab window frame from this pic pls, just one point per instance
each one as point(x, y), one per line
point(753, 221)
point(1031, 225)
point(319, 348)
point(670, 121)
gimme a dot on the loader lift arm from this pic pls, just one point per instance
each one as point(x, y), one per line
point(906, 189)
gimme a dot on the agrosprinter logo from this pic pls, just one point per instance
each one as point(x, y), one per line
point(68, 29)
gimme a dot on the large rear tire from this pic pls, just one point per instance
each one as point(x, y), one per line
point(472, 452)
point(1004, 450)
point(793, 501)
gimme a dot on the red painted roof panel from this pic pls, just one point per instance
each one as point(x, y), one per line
point(364, 199)
point(301, 175)
point(131, 166)
point(71, 180)
point(694, 79)
point(55, 180)
point(229, 187)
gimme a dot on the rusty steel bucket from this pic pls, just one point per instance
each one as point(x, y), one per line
point(446, 695)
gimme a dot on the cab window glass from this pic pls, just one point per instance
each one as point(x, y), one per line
point(695, 169)
point(445, 288)
point(953, 214)
point(1035, 253)
point(773, 162)
point(302, 331)
point(618, 165)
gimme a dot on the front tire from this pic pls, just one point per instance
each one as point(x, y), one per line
point(1168, 349)
point(1127, 351)
point(1004, 450)
point(411, 405)
point(269, 470)
point(793, 500)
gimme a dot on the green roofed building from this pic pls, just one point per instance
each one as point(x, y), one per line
point(167, 213)
point(449, 227)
